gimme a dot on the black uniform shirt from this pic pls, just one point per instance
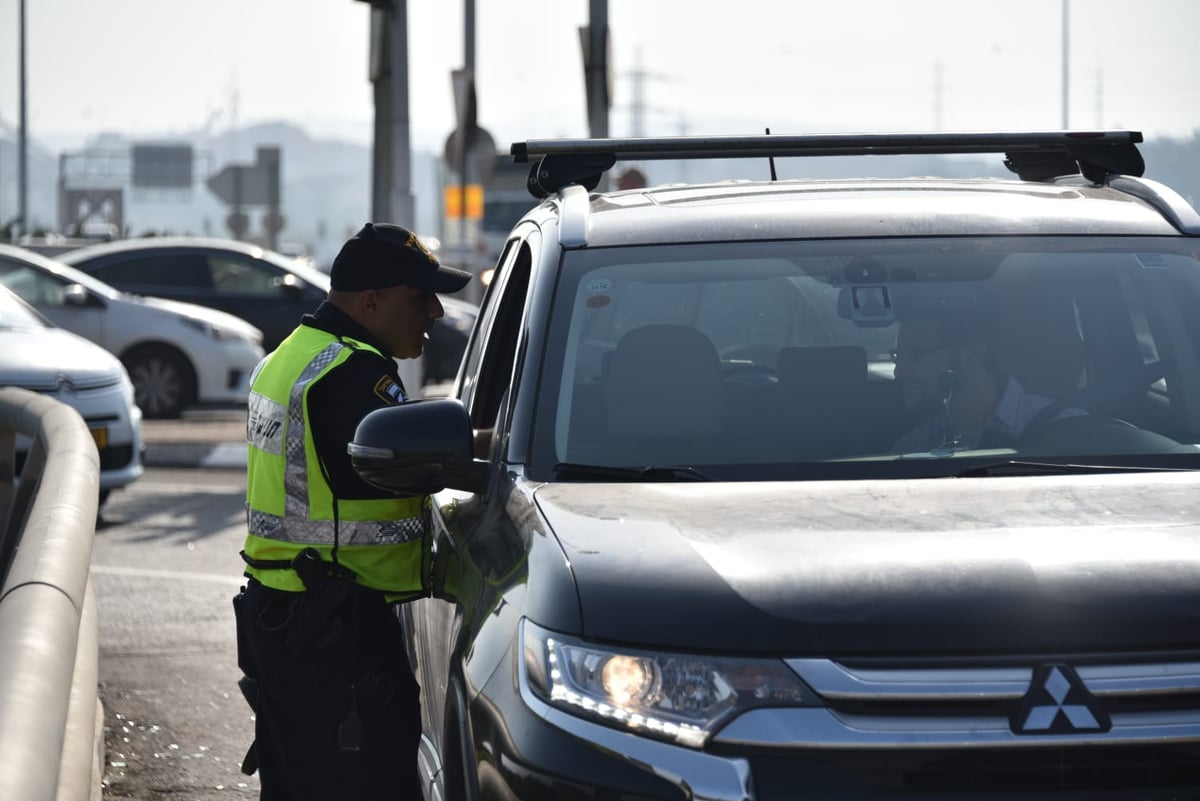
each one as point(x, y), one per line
point(340, 400)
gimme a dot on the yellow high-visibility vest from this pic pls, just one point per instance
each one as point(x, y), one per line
point(289, 503)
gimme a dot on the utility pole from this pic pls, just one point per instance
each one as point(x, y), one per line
point(596, 69)
point(22, 137)
point(639, 107)
point(938, 93)
point(596, 73)
point(402, 205)
point(391, 153)
point(639, 95)
point(391, 174)
point(1066, 62)
point(465, 117)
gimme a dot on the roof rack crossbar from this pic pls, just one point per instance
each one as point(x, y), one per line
point(682, 147)
point(1033, 155)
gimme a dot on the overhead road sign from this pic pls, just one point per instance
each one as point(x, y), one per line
point(249, 185)
point(161, 166)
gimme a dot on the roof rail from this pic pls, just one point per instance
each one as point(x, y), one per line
point(1169, 203)
point(1033, 155)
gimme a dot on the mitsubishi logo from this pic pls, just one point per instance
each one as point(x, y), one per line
point(1058, 703)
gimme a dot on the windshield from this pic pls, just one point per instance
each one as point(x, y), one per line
point(874, 358)
point(16, 316)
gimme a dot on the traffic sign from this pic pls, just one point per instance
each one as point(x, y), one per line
point(479, 153)
point(238, 224)
point(452, 201)
point(249, 185)
point(273, 222)
point(161, 166)
point(239, 185)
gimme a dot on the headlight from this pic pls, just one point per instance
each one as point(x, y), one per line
point(682, 698)
point(217, 332)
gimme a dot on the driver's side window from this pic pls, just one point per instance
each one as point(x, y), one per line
point(491, 355)
point(242, 277)
point(32, 287)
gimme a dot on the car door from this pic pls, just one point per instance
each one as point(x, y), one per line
point(442, 626)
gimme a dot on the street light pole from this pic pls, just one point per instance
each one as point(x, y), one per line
point(22, 136)
point(1066, 62)
point(391, 156)
point(597, 69)
point(402, 201)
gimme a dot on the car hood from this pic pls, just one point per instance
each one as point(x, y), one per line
point(1052, 563)
point(43, 360)
point(215, 317)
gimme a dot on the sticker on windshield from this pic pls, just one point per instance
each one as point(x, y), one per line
point(1151, 259)
point(597, 285)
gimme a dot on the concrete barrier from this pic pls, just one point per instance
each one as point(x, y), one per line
point(51, 720)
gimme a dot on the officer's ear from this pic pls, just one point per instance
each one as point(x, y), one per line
point(368, 301)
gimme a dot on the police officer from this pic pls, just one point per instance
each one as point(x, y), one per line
point(327, 555)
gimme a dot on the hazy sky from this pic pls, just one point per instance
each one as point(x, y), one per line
point(154, 68)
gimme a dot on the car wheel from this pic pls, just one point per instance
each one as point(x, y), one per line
point(163, 384)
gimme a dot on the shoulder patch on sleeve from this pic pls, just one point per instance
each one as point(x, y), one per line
point(391, 392)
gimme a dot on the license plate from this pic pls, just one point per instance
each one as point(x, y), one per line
point(101, 437)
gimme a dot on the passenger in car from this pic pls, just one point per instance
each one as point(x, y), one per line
point(954, 383)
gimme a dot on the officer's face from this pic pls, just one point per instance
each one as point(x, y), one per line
point(403, 317)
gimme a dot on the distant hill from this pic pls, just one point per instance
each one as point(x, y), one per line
point(327, 182)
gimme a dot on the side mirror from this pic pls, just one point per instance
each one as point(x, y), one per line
point(291, 287)
point(418, 448)
point(77, 295)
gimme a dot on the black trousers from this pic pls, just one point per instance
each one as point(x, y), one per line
point(351, 685)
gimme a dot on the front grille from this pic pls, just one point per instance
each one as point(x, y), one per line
point(111, 458)
point(116, 457)
point(990, 704)
point(1029, 725)
point(1143, 772)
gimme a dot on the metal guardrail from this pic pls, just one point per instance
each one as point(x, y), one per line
point(51, 718)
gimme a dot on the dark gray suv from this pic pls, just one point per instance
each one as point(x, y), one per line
point(872, 488)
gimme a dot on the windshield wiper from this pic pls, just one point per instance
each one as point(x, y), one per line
point(1019, 467)
point(652, 472)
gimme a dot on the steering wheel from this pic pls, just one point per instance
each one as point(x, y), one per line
point(1083, 434)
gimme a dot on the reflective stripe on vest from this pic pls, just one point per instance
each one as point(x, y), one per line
point(281, 447)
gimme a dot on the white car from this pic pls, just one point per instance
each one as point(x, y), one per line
point(177, 354)
point(37, 356)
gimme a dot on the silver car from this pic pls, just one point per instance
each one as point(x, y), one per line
point(177, 354)
point(40, 357)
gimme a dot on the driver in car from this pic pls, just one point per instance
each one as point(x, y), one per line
point(954, 387)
